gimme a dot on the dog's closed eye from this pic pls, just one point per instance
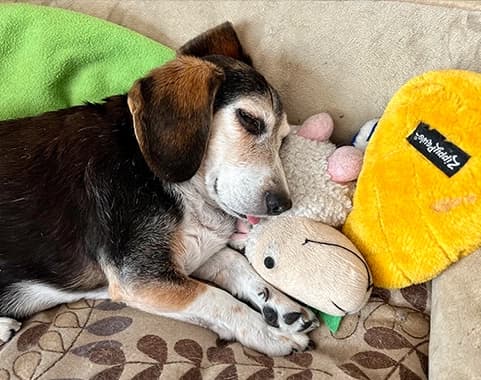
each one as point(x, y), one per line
point(251, 123)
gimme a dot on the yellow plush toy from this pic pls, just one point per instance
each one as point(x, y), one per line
point(417, 205)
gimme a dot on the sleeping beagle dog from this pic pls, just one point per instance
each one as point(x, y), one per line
point(135, 199)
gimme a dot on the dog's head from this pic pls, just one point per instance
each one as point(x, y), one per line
point(210, 112)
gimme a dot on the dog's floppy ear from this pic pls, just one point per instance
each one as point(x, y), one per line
point(221, 40)
point(172, 111)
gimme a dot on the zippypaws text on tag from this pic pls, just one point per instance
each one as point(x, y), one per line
point(445, 155)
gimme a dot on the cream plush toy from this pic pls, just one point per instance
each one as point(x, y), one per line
point(299, 252)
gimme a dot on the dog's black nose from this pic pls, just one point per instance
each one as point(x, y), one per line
point(277, 203)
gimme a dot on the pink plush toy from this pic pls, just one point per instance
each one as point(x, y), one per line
point(308, 258)
point(345, 162)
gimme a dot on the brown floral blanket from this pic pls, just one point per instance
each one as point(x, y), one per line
point(388, 339)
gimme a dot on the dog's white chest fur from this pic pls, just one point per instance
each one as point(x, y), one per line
point(205, 231)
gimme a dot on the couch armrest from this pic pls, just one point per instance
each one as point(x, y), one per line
point(455, 344)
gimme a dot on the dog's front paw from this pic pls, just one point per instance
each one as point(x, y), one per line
point(282, 312)
point(273, 341)
point(8, 328)
point(280, 343)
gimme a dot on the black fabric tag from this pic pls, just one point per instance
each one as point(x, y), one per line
point(434, 146)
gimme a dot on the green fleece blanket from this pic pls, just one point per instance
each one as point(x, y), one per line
point(52, 58)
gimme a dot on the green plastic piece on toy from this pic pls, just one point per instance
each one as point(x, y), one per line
point(332, 322)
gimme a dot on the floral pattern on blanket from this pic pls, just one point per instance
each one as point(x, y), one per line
point(388, 339)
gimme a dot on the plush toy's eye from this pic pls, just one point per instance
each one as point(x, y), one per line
point(269, 262)
point(250, 123)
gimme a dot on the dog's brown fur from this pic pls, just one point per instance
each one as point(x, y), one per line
point(181, 94)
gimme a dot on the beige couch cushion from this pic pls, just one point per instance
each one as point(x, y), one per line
point(455, 347)
point(347, 57)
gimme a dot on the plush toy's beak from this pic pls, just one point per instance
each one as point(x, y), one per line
point(241, 231)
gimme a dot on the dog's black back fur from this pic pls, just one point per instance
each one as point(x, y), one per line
point(89, 189)
point(96, 196)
